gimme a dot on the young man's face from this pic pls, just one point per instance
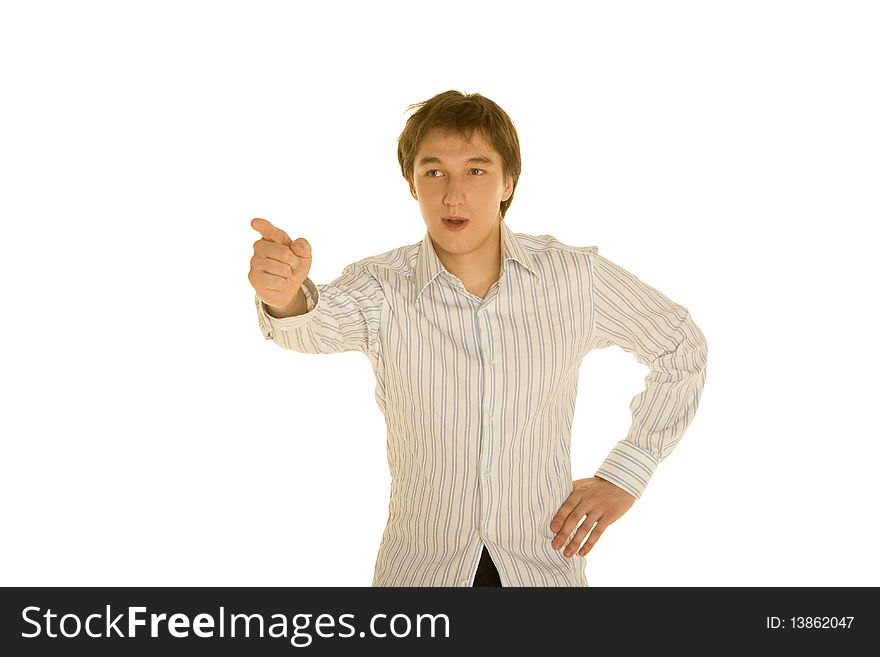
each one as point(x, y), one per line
point(455, 177)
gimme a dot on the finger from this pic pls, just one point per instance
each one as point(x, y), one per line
point(592, 538)
point(562, 515)
point(270, 232)
point(568, 527)
point(265, 281)
point(579, 536)
point(263, 248)
point(272, 266)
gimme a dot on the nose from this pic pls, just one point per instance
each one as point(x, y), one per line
point(454, 192)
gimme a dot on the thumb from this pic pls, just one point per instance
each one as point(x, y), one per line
point(302, 248)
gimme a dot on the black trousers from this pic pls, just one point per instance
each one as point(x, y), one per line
point(487, 574)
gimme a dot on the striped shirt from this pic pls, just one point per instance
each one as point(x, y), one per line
point(479, 395)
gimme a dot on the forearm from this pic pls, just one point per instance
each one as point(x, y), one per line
point(662, 412)
point(296, 307)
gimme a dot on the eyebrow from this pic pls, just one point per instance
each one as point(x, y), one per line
point(482, 159)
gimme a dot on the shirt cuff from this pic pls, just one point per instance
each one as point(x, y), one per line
point(628, 467)
point(270, 326)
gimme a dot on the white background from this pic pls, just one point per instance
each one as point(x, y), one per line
point(725, 153)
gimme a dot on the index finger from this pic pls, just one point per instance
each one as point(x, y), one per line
point(270, 232)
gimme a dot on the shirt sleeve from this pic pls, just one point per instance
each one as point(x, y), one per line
point(661, 335)
point(341, 316)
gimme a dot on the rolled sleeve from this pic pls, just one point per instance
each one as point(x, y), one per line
point(272, 326)
point(341, 316)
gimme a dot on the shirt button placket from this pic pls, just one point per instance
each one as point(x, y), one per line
point(487, 363)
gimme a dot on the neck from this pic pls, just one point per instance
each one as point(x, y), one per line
point(478, 269)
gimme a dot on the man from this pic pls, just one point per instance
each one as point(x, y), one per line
point(476, 336)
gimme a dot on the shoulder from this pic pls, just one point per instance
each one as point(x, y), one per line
point(394, 262)
point(548, 246)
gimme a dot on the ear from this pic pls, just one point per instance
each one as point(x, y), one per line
point(412, 190)
point(508, 189)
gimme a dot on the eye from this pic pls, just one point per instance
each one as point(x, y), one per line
point(430, 172)
point(480, 170)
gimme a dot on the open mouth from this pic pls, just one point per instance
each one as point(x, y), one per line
point(455, 224)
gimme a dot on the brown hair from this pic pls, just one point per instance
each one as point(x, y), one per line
point(453, 110)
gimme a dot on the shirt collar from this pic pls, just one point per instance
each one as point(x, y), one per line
point(428, 265)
